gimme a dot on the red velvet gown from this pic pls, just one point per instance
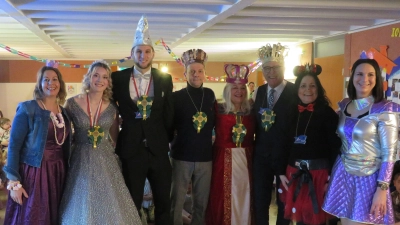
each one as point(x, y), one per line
point(224, 207)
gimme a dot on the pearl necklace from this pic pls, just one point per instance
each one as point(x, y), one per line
point(56, 123)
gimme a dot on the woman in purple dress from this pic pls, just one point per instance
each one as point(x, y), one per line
point(368, 126)
point(38, 153)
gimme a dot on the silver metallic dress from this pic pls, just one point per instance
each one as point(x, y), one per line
point(369, 147)
point(95, 191)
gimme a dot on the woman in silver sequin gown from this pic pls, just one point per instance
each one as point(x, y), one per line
point(95, 191)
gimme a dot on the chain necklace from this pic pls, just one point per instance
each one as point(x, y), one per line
point(301, 139)
point(56, 123)
point(200, 118)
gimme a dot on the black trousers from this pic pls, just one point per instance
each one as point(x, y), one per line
point(157, 169)
point(263, 178)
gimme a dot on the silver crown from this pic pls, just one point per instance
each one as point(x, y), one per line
point(276, 53)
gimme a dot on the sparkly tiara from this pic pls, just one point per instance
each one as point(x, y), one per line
point(51, 63)
point(194, 55)
point(365, 55)
point(276, 53)
point(237, 74)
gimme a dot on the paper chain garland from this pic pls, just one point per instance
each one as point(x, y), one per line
point(57, 62)
point(254, 64)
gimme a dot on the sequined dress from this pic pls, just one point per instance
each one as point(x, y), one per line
point(95, 191)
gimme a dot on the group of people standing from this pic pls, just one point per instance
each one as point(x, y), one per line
point(94, 171)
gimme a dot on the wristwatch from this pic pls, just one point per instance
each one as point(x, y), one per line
point(383, 186)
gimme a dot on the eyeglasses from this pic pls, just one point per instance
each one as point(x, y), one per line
point(268, 69)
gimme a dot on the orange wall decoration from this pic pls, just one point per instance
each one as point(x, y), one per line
point(372, 40)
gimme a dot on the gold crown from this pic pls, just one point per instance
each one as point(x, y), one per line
point(276, 53)
point(237, 74)
point(194, 55)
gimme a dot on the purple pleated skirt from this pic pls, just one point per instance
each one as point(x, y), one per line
point(350, 196)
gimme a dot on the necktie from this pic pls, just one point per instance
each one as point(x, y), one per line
point(271, 98)
point(309, 107)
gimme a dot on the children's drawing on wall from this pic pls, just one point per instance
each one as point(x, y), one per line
point(71, 89)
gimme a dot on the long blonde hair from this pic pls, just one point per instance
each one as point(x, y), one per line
point(228, 105)
point(107, 93)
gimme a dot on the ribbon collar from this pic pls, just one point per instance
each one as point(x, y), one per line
point(309, 107)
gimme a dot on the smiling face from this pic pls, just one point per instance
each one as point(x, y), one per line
point(273, 73)
point(143, 56)
point(99, 80)
point(6, 125)
point(238, 94)
point(364, 80)
point(308, 91)
point(50, 84)
point(195, 74)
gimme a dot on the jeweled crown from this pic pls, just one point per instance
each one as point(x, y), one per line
point(194, 55)
point(276, 52)
point(237, 74)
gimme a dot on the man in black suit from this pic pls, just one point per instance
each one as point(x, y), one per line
point(274, 98)
point(144, 98)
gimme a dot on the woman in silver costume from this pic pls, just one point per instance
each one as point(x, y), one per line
point(368, 126)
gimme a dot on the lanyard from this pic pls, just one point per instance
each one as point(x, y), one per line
point(97, 115)
point(136, 89)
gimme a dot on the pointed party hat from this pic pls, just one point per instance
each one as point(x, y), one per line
point(142, 36)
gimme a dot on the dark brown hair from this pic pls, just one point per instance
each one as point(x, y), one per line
point(377, 91)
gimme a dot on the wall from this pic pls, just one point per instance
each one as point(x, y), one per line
point(18, 78)
point(355, 43)
point(331, 77)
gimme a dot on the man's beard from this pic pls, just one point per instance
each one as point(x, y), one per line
point(137, 64)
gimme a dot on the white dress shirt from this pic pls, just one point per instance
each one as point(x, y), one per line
point(142, 84)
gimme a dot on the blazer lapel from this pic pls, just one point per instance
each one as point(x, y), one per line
point(126, 79)
point(157, 85)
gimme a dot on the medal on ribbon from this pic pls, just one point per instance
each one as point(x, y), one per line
point(144, 104)
point(267, 118)
point(239, 132)
point(95, 135)
point(199, 119)
point(95, 132)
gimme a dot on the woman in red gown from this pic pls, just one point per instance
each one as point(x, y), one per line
point(230, 195)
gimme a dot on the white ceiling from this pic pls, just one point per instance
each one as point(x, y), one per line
point(228, 30)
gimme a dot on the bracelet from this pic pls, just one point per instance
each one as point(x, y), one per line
point(14, 185)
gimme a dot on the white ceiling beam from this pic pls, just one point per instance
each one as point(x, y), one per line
point(263, 32)
point(298, 21)
point(238, 6)
point(313, 13)
point(277, 27)
point(107, 24)
point(329, 4)
point(118, 7)
point(207, 2)
point(113, 16)
point(6, 6)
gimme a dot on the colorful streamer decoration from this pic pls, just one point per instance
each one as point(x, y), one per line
point(177, 59)
point(57, 62)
